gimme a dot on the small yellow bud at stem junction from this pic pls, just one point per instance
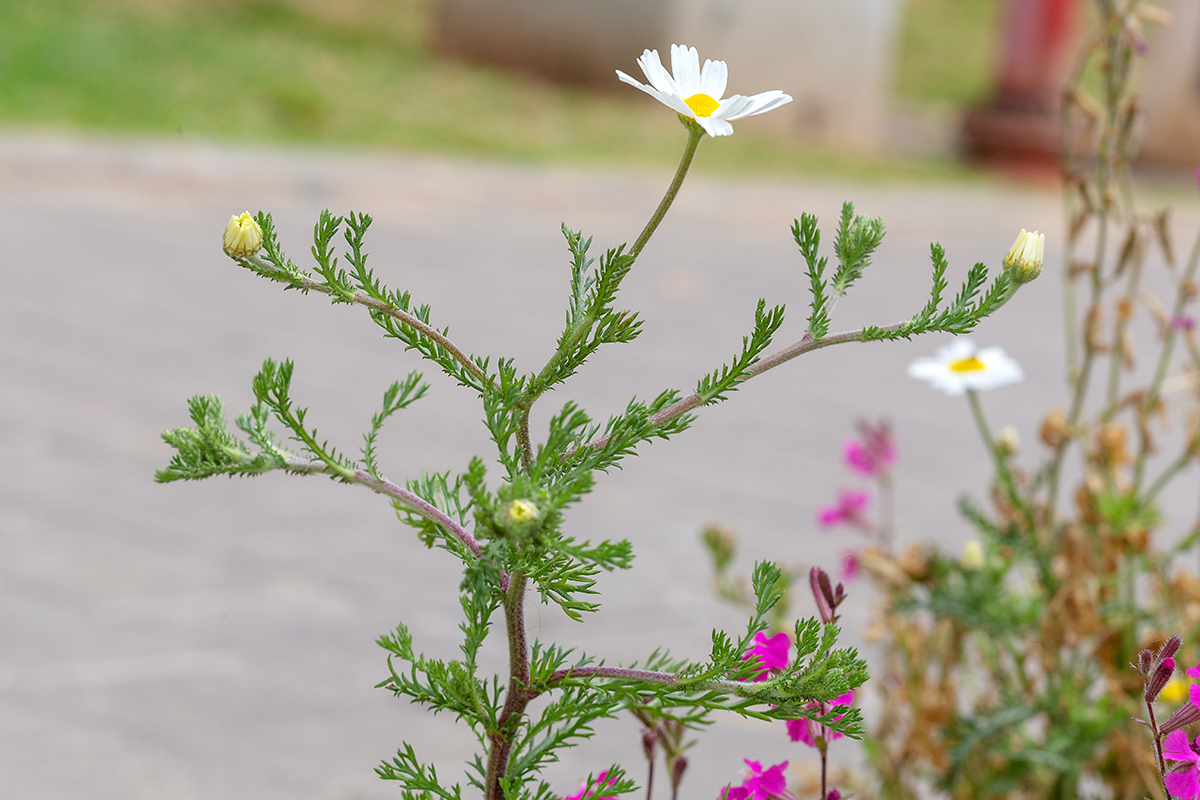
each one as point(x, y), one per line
point(243, 237)
point(522, 511)
point(1024, 260)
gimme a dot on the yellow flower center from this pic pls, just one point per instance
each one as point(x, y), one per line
point(701, 104)
point(971, 364)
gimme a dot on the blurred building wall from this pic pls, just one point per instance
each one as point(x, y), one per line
point(833, 56)
point(1171, 89)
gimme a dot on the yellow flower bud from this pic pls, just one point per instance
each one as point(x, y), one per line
point(522, 511)
point(243, 237)
point(972, 557)
point(1024, 260)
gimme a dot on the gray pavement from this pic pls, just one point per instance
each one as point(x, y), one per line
point(215, 640)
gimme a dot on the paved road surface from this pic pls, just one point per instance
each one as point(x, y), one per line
point(215, 640)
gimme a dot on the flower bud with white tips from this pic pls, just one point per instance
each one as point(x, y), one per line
point(1023, 261)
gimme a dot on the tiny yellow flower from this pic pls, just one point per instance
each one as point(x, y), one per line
point(243, 237)
point(1175, 691)
point(1024, 260)
point(522, 511)
point(972, 557)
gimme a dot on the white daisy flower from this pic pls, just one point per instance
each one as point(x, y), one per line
point(959, 366)
point(696, 92)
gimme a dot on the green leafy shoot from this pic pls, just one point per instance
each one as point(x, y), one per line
point(857, 239)
point(210, 449)
point(716, 386)
point(564, 570)
point(399, 395)
point(391, 310)
point(446, 496)
point(571, 477)
point(962, 314)
point(418, 780)
point(808, 238)
point(591, 320)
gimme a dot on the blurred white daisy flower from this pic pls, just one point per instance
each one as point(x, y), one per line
point(959, 366)
point(696, 92)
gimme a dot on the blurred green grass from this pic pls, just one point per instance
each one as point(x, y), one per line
point(947, 50)
point(361, 73)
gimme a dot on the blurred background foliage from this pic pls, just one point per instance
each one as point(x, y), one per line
point(364, 73)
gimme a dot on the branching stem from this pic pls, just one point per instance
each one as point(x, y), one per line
point(426, 510)
point(364, 299)
point(806, 344)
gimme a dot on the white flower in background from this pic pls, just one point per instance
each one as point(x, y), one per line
point(959, 366)
point(696, 92)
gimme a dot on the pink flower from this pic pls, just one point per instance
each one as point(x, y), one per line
point(849, 565)
point(602, 782)
point(1184, 785)
point(874, 452)
point(807, 731)
point(759, 783)
point(771, 652)
point(848, 509)
point(1183, 322)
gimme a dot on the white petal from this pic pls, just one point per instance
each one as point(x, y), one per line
point(666, 98)
point(957, 350)
point(926, 368)
point(650, 90)
point(713, 79)
point(762, 103)
point(656, 73)
point(730, 107)
point(715, 127)
point(685, 66)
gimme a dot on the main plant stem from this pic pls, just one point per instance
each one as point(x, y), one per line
point(518, 695)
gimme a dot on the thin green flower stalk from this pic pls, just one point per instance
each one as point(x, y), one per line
point(507, 529)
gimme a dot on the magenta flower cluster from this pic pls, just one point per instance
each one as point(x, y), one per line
point(809, 732)
point(759, 783)
point(772, 652)
point(872, 454)
point(1183, 781)
point(603, 781)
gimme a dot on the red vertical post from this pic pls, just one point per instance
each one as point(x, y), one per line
point(1019, 125)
